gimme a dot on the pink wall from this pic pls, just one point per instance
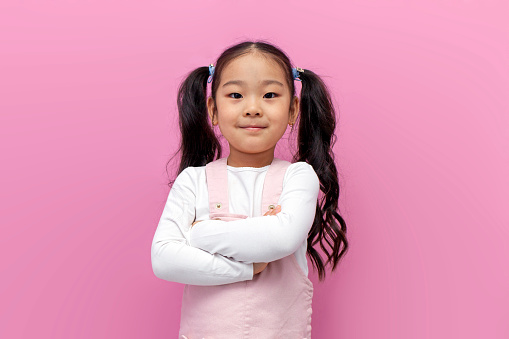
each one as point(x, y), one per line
point(88, 92)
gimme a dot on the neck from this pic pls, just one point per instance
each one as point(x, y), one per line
point(250, 160)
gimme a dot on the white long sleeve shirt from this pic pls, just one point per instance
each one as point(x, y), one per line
point(215, 252)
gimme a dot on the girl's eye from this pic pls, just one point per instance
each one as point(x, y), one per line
point(274, 95)
point(235, 95)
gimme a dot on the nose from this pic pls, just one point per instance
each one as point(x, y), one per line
point(253, 108)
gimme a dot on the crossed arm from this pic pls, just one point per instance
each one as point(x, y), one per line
point(173, 259)
point(225, 252)
point(265, 238)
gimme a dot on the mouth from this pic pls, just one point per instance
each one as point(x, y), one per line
point(253, 128)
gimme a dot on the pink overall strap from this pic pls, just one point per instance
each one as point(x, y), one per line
point(217, 184)
point(273, 184)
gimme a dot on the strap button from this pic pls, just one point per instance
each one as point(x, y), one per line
point(218, 205)
point(271, 207)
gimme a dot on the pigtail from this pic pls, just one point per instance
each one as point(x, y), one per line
point(199, 144)
point(315, 140)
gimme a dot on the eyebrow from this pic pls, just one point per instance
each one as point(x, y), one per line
point(264, 82)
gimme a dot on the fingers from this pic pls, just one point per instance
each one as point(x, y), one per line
point(259, 266)
point(273, 211)
point(195, 222)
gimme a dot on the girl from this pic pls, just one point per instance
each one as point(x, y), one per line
point(236, 230)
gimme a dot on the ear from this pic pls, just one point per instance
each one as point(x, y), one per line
point(294, 110)
point(211, 107)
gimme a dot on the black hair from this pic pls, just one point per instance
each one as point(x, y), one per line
point(316, 125)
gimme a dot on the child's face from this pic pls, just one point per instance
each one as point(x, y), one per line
point(252, 109)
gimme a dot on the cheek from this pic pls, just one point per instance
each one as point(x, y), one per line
point(225, 121)
point(224, 115)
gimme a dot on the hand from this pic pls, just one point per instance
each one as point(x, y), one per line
point(195, 222)
point(259, 266)
point(273, 211)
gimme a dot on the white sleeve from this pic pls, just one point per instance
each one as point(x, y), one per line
point(266, 238)
point(173, 259)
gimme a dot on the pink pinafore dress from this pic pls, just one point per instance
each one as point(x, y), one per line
point(275, 304)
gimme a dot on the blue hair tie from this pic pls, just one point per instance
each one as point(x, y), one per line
point(211, 72)
point(296, 73)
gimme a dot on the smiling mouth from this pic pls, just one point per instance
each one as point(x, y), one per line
point(253, 128)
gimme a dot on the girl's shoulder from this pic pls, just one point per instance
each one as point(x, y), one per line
point(190, 178)
point(300, 177)
point(301, 166)
point(192, 171)
point(301, 169)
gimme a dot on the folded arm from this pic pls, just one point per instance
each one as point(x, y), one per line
point(265, 238)
point(173, 259)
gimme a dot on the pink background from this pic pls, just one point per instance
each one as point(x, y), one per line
point(88, 122)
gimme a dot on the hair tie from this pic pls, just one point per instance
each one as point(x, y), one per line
point(296, 73)
point(211, 72)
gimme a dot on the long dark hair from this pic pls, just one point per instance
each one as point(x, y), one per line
point(316, 125)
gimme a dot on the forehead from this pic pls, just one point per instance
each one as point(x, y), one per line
point(253, 68)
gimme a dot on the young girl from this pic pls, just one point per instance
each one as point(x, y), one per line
point(236, 230)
